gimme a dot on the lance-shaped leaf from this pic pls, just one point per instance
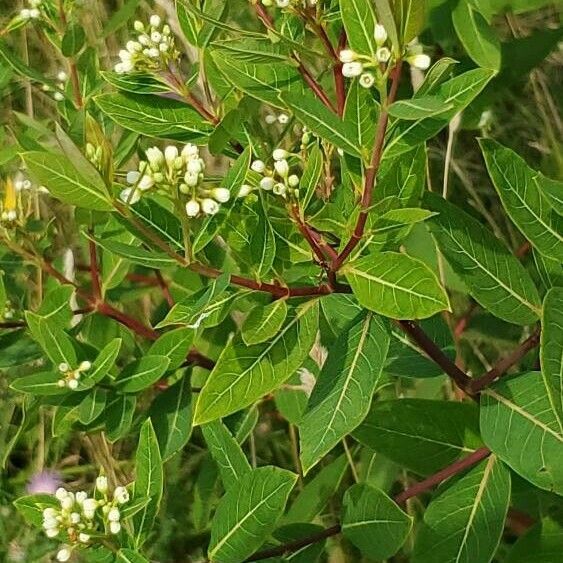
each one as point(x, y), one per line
point(495, 277)
point(130, 556)
point(155, 116)
point(477, 36)
point(373, 522)
point(361, 111)
point(344, 390)
point(419, 434)
point(419, 108)
point(119, 416)
point(149, 481)
point(358, 17)
point(262, 247)
point(171, 415)
point(43, 383)
point(247, 514)
point(55, 342)
point(264, 322)
point(552, 190)
point(175, 345)
point(136, 255)
point(103, 363)
point(227, 453)
point(322, 121)
point(142, 373)
point(516, 185)
point(57, 173)
point(551, 351)
point(519, 423)
point(465, 521)
point(243, 373)
point(92, 406)
point(396, 285)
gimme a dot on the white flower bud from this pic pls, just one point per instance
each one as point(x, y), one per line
point(63, 554)
point(34, 13)
point(61, 493)
point(270, 119)
point(347, 56)
point(62, 76)
point(222, 195)
point(209, 206)
point(59, 97)
point(163, 47)
point(102, 483)
point(146, 182)
point(420, 61)
point(383, 54)
point(139, 27)
point(81, 496)
point(63, 367)
point(282, 168)
point(194, 166)
point(114, 527)
point(83, 538)
point(367, 80)
point(192, 208)
point(72, 384)
point(85, 365)
point(130, 195)
point(75, 518)
point(245, 189)
point(267, 183)
point(25, 14)
point(258, 166)
point(280, 189)
point(52, 532)
point(121, 494)
point(61, 383)
point(191, 179)
point(293, 181)
point(155, 20)
point(351, 70)
point(170, 154)
point(282, 3)
point(89, 504)
point(68, 502)
point(49, 513)
point(144, 40)
point(153, 53)
point(280, 154)
point(113, 515)
point(380, 34)
point(156, 36)
point(50, 522)
point(166, 29)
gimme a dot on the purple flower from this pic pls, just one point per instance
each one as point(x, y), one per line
point(44, 482)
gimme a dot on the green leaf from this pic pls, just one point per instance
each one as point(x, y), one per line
point(373, 522)
point(495, 277)
point(551, 350)
point(519, 423)
point(244, 374)
point(476, 35)
point(119, 416)
point(64, 181)
point(130, 556)
point(358, 17)
point(317, 493)
point(155, 116)
point(149, 481)
point(31, 507)
point(540, 544)
point(135, 82)
point(465, 521)
point(175, 345)
point(142, 373)
point(73, 40)
point(361, 113)
point(54, 341)
point(322, 121)
point(396, 285)
point(92, 406)
point(171, 415)
point(227, 453)
point(44, 383)
point(419, 107)
point(120, 16)
point(516, 184)
point(264, 322)
point(137, 255)
point(247, 514)
point(419, 434)
point(261, 81)
point(103, 363)
point(386, 18)
point(409, 15)
point(311, 177)
point(552, 190)
point(344, 390)
point(262, 247)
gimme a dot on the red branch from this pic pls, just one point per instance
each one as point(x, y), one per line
point(421, 487)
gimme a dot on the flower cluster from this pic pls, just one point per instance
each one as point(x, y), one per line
point(153, 49)
point(81, 518)
point(173, 170)
point(33, 12)
point(71, 376)
point(290, 3)
point(278, 179)
point(58, 95)
point(355, 64)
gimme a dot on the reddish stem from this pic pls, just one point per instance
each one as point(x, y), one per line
point(164, 287)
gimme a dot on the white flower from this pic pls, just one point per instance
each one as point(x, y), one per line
point(222, 195)
point(75, 518)
point(68, 502)
point(62, 76)
point(283, 118)
point(156, 36)
point(25, 14)
point(34, 13)
point(146, 182)
point(267, 183)
point(63, 367)
point(191, 179)
point(293, 181)
point(367, 80)
point(63, 554)
point(380, 34)
point(121, 494)
point(282, 168)
point(72, 384)
point(171, 154)
point(245, 189)
point(114, 527)
point(270, 119)
point(155, 20)
point(153, 52)
point(280, 189)
point(192, 208)
point(282, 3)
point(89, 504)
point(133, 176)
point(347, 56)
point(138, 26)
point(83, 538)
point(133, 47)
point(102, 483)
point(258, 166)
point(155, 158)
point(194, 166)
point(113, 515)
point(190, 151)
point(383, 54)
point(50, 522)
point(52, 532)
point(280, 154)
point(209, 206)
point(61, 493)
point(59, 97)
point(81, 496)
point(130, 195)
point(420, 61)
point(351, 70)
point(49, 512)
point(85, 365)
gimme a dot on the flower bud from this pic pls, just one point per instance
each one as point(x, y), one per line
point(62, 76)
point(209, 206)
point(121, 494)
point(380, 34)
point(282, 168)
point(191, 179)
point(270, 119)
point(72, 384)
point(85, 365)
point(155, 20)
point(258, 166)
point(267, 183)
point(49, 513)
point(130, 195)
point(83, 538)
point(280, 189)
point(293, 181)
point(113, 515)
point(383, 54)
point(81, 496)
point(347, 56)
point(138, 26)
point(68, 502)
point(89, 504)
point(222, 195)
point(114, 527)
point(280, 154)
point(52, 532)
point(194, 166)
point(154, 157)
point(63, 367)
point(145, 183)
point(102, 483)
point(353, 69)
point(245, 189)
point(75, 518)
point(63, 554)
point(420, 61)
point(61, 493)
point(192, 208)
